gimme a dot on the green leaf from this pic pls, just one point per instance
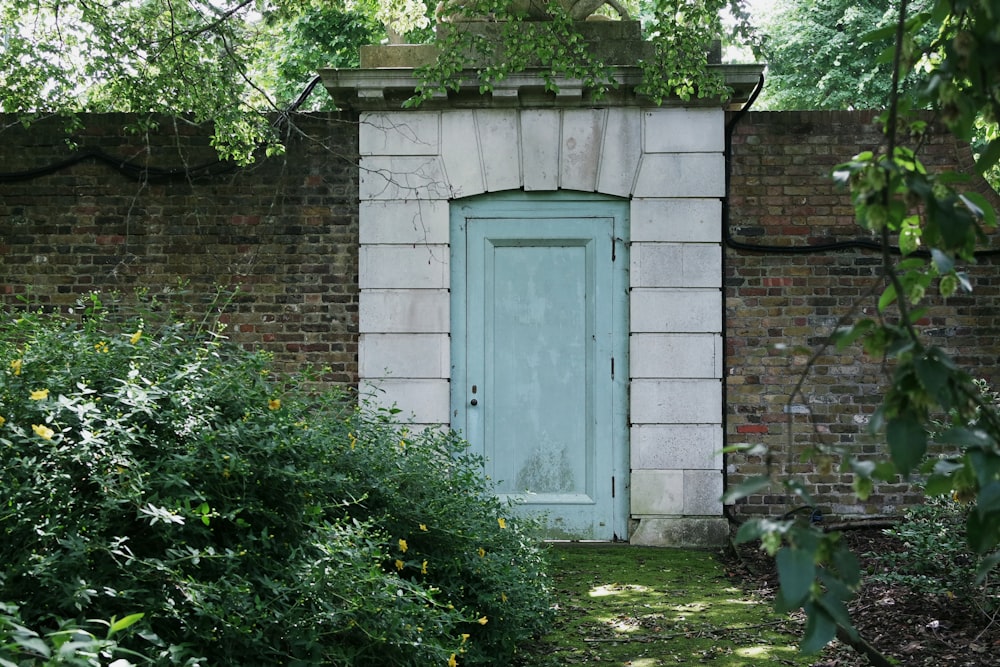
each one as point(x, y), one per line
point(796, 572)
point(863, 487)
point(820, 629)
point(749, 487)
point(122, 623)
point(847, 566)
point(985, 210)
point(888, 298)
point(966, 437)
point(907, 442)
point(986, 464)
point(835, 607)
point(986, 566)
point(844, 337)
point(988, 499)
point(938, 485)
point(988, 157)
point(942, 261)
point(934, 369)
point(982, 533)
point(749, 531)
point(948, 285)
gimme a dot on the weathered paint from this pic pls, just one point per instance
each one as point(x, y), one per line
point(539, 362)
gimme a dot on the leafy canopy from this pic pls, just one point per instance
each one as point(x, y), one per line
point(817, 56)
point(238, 63)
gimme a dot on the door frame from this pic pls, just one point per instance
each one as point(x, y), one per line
point(561, 204)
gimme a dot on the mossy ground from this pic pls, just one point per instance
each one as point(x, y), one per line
point(647, 607)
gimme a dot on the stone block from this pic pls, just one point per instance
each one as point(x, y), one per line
point(402, 178)
point(407, 221)
point(540, 130)
point(404, 356)
point(680, 130)
point(654, 355)
point(460, 152)
point(411, 133)
point(620, 152)
point(681, 532)
point(676, 401)
point(403, 311)
point(403, 266)
point(703, 492)
point(681, 175)
point(676, 446)
point(498, 141)
point(657, 492)
point(582, 135)
point(676, 220)
point(374, 56)
point(421, 401)
point(666, 310)
point(676, 265)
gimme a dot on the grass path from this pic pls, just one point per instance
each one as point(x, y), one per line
point(645, 607)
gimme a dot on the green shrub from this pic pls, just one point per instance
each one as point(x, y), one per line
point(935, 558)
point(158, 469)
point(71, 644)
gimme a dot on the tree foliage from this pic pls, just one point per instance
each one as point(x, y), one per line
point(929, 399)
point(236, 64)
point(817, 57)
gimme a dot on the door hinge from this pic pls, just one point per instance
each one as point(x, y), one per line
point(612, 368)
point(612, 486)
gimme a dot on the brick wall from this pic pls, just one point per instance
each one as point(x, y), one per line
point(781, 302)
point(283, 230)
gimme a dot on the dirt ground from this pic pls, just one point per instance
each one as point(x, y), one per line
point(912, 629)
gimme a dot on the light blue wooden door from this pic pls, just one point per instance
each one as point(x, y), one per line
point(539, 338)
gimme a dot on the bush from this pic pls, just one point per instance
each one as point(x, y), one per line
point(158, 469)
point(936, 559)
point(71, 644)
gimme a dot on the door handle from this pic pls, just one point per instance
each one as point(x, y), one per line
point(473, 402)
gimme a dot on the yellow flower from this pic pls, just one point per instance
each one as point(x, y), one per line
point(502, 522)
point(354, 440)
point(2, 421)
point(483, 621)
point(403, 546)
point(39, 394)
point(135, 337)
point(465, 637)
point(16, 366)
point(452, 661)
point(400, 564)
point(274, 404)
point(43, 431)
point(101, 346)
point(482, 552)
point(423, 568)
point(423, 527)
point(402, 444)
point(503, 597)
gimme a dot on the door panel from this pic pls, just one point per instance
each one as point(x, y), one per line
point(533, 386)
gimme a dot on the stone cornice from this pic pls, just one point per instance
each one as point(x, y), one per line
point(386, 89)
